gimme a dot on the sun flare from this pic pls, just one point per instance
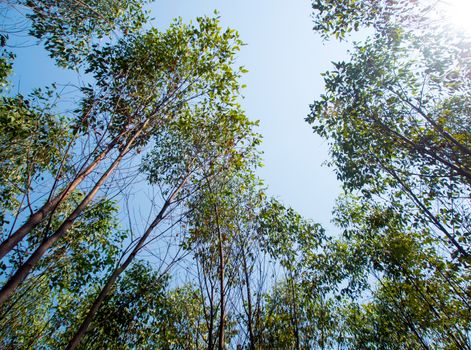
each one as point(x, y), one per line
point(459, 13)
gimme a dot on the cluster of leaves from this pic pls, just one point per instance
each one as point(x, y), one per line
point(48, 302)
point(157, 88)
point(32, 145)
point(339, 18)
point(70, 27)
point(397, 121)
point(288, 237)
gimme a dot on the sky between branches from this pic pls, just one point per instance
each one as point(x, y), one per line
point(285, 58)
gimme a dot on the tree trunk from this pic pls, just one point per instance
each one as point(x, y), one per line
point(36, 218)
point(211, 320)
point(249, 301)
point(222, 297)
point(25, 269)
point(221, 344)
point(74, 342)
point(295, 320)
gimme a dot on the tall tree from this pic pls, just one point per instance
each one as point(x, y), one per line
point(128, 105)
point(396, 117)
point(289, 313)
point(181, 163)
point(69, 28)
point(215, 231)
point(51, 298)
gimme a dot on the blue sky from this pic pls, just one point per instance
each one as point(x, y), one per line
point(284, 57)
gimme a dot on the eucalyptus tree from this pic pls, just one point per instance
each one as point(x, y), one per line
point(225, 242)
point(215, 221)
point(50, 299)
point(397, 120)
point(419, 297)
point(181, 163)
point(142, 83)
point(68, 28)
point(393, 132)
point(250, 262)
point(289, 317)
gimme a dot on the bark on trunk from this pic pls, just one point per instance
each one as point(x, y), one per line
point(249, 302)
point(221, 344)
point(426, 211)
point(75, 341)
point(36, 218)
point(25, 269)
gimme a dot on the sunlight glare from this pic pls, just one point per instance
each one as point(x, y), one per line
point(459, 12)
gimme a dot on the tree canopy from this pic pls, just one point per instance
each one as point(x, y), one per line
point(136, 220)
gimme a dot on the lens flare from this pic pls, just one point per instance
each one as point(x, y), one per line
point(459, 13)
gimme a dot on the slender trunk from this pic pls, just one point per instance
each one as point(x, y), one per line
point(426, 211)
point(25, 269)
point(211, 321)
point(221, 286)
point(295, 316)
point(249, 302)
point(435, 125)
point(74, 342)
point(36, 218)
point(223, 311)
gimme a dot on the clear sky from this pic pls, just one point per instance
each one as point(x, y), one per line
point(284, 57)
